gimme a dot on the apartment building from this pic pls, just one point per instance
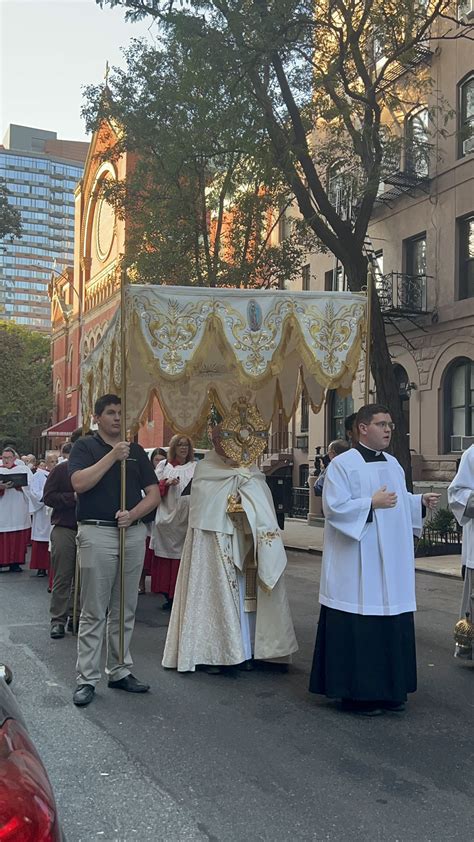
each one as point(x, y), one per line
point(421, 242)
point(41, 173)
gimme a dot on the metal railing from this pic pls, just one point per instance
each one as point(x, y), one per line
point(400, 293)
point(299, 502)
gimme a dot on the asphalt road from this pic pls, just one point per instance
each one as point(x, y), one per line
point(247, 756)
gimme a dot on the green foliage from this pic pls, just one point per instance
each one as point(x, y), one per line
point(10, 217)
point(443, 521)
point(204, 194)
point(308, 83)
point(25, 383)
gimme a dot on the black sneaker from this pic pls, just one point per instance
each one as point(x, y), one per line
point(16, 568)
point(57, 631)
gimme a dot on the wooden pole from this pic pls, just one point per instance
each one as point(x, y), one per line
point(123, 464)
point(368, 338)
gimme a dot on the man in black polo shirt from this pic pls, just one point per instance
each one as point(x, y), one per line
point(94, 468)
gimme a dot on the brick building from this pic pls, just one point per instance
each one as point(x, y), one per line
point(85, 296)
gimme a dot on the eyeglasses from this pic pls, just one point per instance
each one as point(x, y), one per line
point(384, 425)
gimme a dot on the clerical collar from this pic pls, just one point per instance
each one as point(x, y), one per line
point(368, 454)
point(377, 452)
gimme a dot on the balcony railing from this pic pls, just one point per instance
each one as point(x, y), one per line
point(280, 441)
point(418, 56)
point(405, 170)
point(402, 294)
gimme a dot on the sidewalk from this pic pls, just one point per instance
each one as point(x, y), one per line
point(298, 536)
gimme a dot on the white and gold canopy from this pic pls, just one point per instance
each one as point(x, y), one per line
point(195, 346)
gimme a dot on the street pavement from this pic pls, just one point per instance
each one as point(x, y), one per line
point(240, 756)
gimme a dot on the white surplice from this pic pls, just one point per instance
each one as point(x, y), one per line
point(41, 514)
point(459, 492)
point(14, 505)
point(171, 520)
point(368, 568)
point(208, 623)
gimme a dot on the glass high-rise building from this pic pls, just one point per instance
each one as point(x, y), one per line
point(41, 173)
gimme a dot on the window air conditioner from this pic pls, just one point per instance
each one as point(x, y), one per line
point(466, 11)
point(468, 144)
point(460, 443)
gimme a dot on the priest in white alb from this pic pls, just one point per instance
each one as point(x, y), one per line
point(230, 603)
point(461, 501)
point(365, 646)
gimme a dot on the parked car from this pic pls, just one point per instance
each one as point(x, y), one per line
point(28, 811)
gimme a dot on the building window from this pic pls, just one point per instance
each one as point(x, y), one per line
point(415, 255)
point(283, 227)
point(459, 403)
point(305, 277)
point(303, 475)
point(466, 117)
point(338, 410)
point(466, 257)
point(417, 146)
point(335, 280)
point(304, 426)
point(404, 391)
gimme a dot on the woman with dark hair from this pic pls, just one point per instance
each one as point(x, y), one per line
point(171, 522)
point(157, 455)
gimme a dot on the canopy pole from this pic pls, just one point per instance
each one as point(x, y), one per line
point(123, 464)
point(368, 335)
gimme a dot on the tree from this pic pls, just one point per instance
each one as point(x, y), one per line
point(205, 195)
point(25, 383)
point(10, 217)
point(330, 81)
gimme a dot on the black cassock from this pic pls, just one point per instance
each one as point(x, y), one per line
point(361, 657)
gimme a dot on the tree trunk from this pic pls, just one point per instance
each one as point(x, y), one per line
point(386, 385)
point(387, 388)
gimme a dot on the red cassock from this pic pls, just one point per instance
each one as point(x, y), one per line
point(39, 555)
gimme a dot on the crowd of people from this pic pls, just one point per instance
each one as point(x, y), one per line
point(207, 536)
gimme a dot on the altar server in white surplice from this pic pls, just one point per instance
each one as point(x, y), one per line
point(365, 646)
point(230, 602)
point(15, 520)
point(41, 520)
point(461, 500)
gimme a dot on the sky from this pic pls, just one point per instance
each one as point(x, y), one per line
point(49, 50)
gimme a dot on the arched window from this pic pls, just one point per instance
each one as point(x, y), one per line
point(466, 117)
point(458, 394)
point(338, 410)
point(57, 400)
point(69, 367)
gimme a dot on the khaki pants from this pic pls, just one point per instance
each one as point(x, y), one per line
point(98, 548)
point(63, 561)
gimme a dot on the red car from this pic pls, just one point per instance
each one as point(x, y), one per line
point(28, 810)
